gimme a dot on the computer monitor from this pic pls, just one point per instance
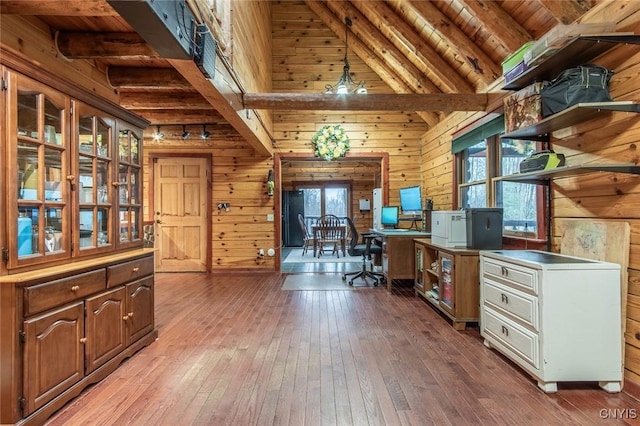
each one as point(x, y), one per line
point(411, 200)
point(389, 216)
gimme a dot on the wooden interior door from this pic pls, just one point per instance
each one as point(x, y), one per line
point(181, 214)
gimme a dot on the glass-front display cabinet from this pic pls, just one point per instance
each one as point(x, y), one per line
point(74, 172)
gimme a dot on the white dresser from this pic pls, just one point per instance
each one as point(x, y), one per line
point(556, 316)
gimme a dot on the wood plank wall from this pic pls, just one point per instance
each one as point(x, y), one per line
point(251, 48)
point(239, 178)
point(611, 138)
point(306, 57)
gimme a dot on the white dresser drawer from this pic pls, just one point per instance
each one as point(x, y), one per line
point(521, 342)
point(518, 276)
point(522, 306)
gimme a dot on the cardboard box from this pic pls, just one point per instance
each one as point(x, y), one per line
point(523, 108)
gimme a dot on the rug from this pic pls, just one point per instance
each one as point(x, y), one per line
point(296, 257)
point(315, 282)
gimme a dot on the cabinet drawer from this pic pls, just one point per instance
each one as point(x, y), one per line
point(517, 276)
point(518, 340)
point(48, 295)
point(521, 305)
point(129, 271)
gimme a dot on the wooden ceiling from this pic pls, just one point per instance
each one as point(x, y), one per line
point(415, 47)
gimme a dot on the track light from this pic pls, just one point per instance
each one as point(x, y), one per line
point(185, 133)
point(158, 134)
point(205, 134)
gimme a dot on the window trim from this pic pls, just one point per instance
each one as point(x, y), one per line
point(480, 131)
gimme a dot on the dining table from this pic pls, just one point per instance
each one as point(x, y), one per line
point(329, 234)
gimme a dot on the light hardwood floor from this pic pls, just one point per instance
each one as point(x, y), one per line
point(235, 349)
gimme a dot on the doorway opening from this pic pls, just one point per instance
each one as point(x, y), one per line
point(327, 187)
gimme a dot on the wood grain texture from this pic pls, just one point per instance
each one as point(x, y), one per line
point(235, 349)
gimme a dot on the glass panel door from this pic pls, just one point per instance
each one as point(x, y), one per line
point(95, 133)
point(40, 164)
point(129, 187)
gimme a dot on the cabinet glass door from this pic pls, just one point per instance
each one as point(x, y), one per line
point(40, 165)
point(95, 135)
point(446, 282)
point(129, 187)
point(419, 273)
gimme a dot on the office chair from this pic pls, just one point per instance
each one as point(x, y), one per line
point(364, 249)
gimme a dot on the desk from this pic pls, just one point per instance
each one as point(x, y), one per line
point(398, 254)
point(329, 234)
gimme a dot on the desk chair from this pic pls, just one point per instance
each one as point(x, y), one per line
point(364, 249)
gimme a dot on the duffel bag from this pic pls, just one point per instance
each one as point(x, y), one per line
point(586, 83)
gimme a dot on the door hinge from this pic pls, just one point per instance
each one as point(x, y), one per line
point(3, 84)
point(23, 336)
point(5, 255)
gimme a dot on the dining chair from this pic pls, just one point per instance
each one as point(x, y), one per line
point(307, 238)
point(328, 230)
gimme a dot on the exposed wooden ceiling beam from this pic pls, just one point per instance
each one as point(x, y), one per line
point(223, 93)
point(386, 72)
point(387, 52)
point(192, 116)
point(457, 40)
point(75, 45)
point(498, 22)
point(415, 49)
point(368, 102)
point(146, 78)
point(165, 100)
point(567, 11)
point(57, 8)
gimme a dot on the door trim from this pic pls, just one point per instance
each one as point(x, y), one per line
point(301, 156)
point(153, 159)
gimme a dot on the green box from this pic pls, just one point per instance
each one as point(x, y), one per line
point(517, 57)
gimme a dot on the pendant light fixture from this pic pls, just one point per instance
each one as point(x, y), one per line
point(346, 84)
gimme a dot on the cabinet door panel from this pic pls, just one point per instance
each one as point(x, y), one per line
point(447, 282)
point(105, 327)
point(53, 354)
point(140, 307)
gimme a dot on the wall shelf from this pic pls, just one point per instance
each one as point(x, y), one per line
point(544, 176)
point(570, 117)
point(580, 50)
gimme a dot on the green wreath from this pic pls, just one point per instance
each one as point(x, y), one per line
point(331, 142)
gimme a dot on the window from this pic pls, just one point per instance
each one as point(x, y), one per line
point(481, 155)
point(326, 198)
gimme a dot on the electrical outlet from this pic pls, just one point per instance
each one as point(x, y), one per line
point(270, 218)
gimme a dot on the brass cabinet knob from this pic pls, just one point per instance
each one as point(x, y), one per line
point(126, 317)
point(75, 288)
point(136, 269)
point(83, 340)
point(130, 315)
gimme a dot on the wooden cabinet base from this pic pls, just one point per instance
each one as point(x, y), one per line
point(447, 278)
point(40, 416)
point(66, 328)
